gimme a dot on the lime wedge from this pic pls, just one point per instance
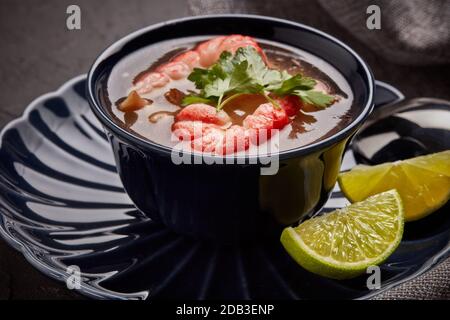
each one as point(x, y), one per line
point(343, 243)
point(423, 182)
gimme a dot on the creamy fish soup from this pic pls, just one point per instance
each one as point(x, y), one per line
point(228, 94)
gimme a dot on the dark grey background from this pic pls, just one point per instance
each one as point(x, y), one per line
point(38, 54)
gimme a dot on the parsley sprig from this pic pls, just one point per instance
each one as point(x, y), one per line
point(246, 73)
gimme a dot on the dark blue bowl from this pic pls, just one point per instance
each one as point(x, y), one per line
point(231, 202)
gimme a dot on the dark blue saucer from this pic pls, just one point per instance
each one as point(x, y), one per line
point(62, 204)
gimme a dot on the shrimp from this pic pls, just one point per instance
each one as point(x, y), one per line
point(150, 81)
point(209, 51)
point(191, 58)
point(204, 127)
point(290, 104)
point(209, 140)
point(175, 70)
point(236, 41)
point(203, 112)
point(205, 54)
point(236, 139)
point(263, 121)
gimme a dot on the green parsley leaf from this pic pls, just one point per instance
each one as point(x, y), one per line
point(239, 81)
point(247, 73)
point(225, 63)
point(293, 83)
point(191, 99)
point(273, 79)
point(200, 77)
point(316, 98)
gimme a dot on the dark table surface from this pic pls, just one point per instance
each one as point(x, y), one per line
point(38, 54)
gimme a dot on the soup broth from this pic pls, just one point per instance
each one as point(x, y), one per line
point(155, 120)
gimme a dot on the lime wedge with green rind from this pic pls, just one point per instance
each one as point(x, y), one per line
point(344, 243)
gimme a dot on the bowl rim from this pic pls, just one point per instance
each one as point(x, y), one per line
point(146, 144)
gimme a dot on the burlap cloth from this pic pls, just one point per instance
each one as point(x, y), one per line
point(414, 32)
